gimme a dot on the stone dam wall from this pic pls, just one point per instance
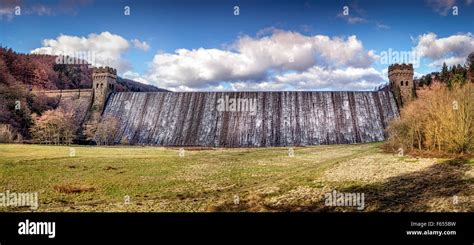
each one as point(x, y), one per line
point(279, 118)
point(72, 100)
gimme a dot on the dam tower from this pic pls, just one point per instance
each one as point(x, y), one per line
point(104, 82)
point(400, 77)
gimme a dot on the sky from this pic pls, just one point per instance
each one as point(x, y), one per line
point(244, 45)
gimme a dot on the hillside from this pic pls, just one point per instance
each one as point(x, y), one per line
point(41, 72)
point(134, 86)
point(21, 73)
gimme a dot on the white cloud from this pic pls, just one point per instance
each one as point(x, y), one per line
point(314, 78)
point(140, 45)
point(452, 50)
point(333, 79)
point(98, 49)
point(252, 60)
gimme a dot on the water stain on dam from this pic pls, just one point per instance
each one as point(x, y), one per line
point(280, 118)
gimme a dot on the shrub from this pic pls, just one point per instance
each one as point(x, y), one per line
point(440, 120)
point(6, 133)
point(54, 127)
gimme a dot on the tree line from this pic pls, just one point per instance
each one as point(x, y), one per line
point(450, 76)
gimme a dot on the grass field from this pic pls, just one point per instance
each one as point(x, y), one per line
point(239, 179)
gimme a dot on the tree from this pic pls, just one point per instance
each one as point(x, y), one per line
point(54, 127)
point(457, 79)
point(107, 131)
point(470, 66)
point(428, 80)
point(14, 109)
point(444, 73)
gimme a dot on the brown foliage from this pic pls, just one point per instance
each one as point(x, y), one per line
point(54, 127)
point(7, 133)
point(440, 120)
point(69, 188)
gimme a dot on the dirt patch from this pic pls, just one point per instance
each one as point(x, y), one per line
point(73, 188)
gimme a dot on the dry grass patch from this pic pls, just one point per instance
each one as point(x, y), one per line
point(375, 168)
point(73, 188)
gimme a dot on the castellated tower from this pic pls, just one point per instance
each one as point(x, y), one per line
point(400, 77)
point(104, 80)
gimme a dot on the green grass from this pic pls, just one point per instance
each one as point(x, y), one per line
point(158, 179)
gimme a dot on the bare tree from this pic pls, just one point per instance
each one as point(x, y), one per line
point(54, 127)
point(107, 131)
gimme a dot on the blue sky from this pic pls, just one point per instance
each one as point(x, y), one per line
point(224, 51)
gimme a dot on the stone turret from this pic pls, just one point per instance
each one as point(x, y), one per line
point(401, 82)
point(104, 81)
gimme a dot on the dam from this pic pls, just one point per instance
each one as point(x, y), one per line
point(280, 119)
point(238, 119)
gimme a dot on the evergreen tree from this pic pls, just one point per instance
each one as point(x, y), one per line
point(470, 66)
point(444, 73)
point(457, 79)
point(428, 80)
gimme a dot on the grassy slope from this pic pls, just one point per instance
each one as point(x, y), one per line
point(263, 179)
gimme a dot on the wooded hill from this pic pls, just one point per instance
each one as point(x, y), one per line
point(21, 73)
point(42, 72)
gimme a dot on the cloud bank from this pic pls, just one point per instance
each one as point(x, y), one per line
point(452, 49)
point(267, 63)
point(272, 60)
point(103, 49)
